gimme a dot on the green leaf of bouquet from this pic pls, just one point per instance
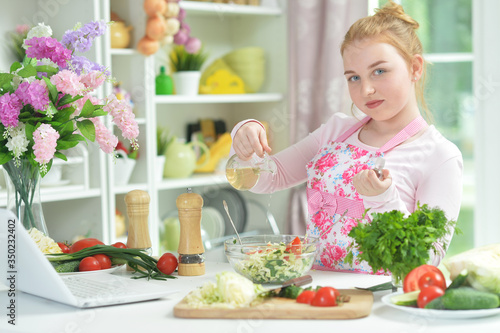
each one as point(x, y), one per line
point(64, 145)
point(27, 71)
point(5, 157)
point(98, 113)
point(15, 66)
point(51, 109)
point(87, 129)
point(60, 155)
point(87, 110)
point(29, 61)
point(67, 99)
point(53, 93)
point(6, 79)
point(47, 69)
point(29, 129)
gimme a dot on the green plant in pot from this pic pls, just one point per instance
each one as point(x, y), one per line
point(186, 69)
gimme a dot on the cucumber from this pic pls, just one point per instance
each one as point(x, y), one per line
point(436, 304)
point(68, 266)
point(406, 299)
point(118, 261)
point(466, 298)
point(459, 280)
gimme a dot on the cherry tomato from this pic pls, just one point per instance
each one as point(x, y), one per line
point(104, 260)
point(306, 296)
point(295, 246)
point(83, 244)
point(326, 296)
point(428, 294)
point(167, 263)
point(432, 279)
point(119, 245)
point(410, 283)
point(64, 247)
point(89, 264)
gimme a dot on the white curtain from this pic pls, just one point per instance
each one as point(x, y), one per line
point(317, 85)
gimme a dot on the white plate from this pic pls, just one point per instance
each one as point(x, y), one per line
point(212, 222)
point(108, 271)
point(440, 314)
point(61, 182)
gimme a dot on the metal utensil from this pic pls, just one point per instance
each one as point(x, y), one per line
point(231, 220)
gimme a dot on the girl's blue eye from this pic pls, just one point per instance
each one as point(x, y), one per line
point(353, 78)
point(379, 71)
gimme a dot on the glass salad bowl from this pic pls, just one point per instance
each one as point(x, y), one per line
point(272, 259)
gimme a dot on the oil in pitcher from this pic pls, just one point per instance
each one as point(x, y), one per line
point(243, 175)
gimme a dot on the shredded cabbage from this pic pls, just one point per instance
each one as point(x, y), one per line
point(46, 244)
point(231, 291)
point(482, 264)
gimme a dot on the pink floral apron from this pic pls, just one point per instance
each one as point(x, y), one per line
point(334, 205)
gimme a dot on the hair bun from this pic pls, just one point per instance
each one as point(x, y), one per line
point(394, 10)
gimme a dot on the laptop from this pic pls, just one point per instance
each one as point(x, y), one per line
point(34, 274)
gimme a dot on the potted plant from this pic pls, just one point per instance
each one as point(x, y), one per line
point(162, 140)
point(186, 69)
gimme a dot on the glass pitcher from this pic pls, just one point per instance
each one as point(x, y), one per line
point(243, 175)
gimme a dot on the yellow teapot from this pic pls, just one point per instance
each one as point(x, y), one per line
point(181, 159)
point(120, 35)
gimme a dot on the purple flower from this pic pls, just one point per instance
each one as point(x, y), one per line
point(10, 108)
point(81, 40)
point(80, 64)
point(34, 94)
point(48, 47)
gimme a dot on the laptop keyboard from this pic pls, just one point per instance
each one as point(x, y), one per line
point(85, 288)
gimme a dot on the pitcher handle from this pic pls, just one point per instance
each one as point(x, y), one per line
point(205, 150)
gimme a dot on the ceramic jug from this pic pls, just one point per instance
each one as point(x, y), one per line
point(120, 35)
point(181, 159)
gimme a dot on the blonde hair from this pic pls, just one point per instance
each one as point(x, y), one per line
point(390, 24)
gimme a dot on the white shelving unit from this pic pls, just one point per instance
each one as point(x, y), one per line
point(72, 209)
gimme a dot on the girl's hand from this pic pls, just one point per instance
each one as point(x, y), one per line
point(250, 138)
point(367, 183)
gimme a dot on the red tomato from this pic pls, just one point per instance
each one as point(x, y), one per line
point(89, 264)
point(295, 246)
point(83, 244)
point(306, 296)
point(104, 260)
point(63, 247)
point(432, 279)
point(410, 282)
point(167, 263)
point(326, 296)
point(119, 245)
point(428, 294)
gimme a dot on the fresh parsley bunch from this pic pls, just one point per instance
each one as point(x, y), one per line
point(396, 243)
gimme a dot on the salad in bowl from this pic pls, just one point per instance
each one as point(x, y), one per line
point(272, 259)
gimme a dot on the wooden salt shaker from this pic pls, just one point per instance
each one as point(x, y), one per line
point(191, 250)
point(138, 211)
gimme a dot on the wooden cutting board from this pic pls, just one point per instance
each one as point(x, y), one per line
point(359, 306)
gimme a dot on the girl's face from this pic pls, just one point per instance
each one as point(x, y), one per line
point(379, 81)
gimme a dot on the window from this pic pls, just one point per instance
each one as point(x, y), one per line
point(446, 34)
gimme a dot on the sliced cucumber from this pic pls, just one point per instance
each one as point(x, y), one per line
point(406, 299)
point(459, 280)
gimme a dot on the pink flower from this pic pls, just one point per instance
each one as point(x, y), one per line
point(106, 140)
point(358, 152)
point(318, 185)
point(326, 162)
point(332, 254)
point(34, 94)
point(48, 47)
point(68, 82)
point(93, 80)
point(10, 108)
point(22, 29)
point(348, 225)
point(123, 117)
point(45, 138)
point(323, 221)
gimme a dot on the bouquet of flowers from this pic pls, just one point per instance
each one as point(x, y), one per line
point(48, 105)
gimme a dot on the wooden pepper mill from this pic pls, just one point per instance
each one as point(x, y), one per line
point(191, 250)
point(138, 211)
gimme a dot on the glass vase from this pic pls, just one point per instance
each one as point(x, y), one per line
point(23, 193)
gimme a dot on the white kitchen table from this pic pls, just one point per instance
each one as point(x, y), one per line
point(39, 315)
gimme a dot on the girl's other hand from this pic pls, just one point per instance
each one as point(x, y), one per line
point(367, 183)
point(250, 138)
